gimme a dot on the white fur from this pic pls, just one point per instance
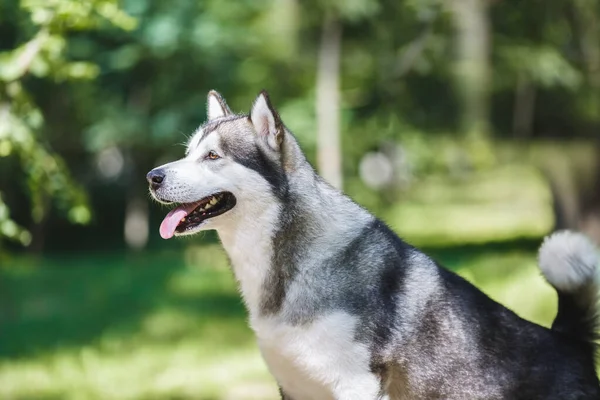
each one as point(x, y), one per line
point(214, 109)
point(247, 240)
point(193, 141)
point(190, 179)
point(320, 360)
point(264, 121)
point(568, 260)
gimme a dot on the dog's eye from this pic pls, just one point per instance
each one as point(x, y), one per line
point(212, 155)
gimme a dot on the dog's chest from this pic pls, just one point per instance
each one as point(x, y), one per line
point(309, 360)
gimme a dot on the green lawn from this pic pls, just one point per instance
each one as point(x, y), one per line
point(171, 325)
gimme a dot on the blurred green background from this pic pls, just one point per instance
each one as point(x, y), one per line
point(469, 126)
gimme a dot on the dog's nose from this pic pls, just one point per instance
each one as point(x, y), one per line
point(155, 178)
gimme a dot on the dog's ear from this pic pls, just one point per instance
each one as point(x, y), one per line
point(216, 106)
point(266, 121)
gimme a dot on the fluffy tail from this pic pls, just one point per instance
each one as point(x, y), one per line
point(569, 261)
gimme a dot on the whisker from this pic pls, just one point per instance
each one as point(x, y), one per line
point(187, 137)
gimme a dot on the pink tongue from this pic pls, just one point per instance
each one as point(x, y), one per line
point(167, 227)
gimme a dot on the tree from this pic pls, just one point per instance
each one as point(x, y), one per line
point(43, 56)
point(329, 156)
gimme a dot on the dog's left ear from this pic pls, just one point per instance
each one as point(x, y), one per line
point(216, 106)
point(266, 121)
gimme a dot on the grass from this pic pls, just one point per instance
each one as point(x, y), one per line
point(494, 205)
point(171, 325)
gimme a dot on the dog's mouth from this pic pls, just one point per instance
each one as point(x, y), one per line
point(188, 216)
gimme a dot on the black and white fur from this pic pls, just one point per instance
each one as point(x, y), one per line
point(344, 309)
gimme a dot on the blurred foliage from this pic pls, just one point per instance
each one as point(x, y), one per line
point(41, 31)
point(84, 79)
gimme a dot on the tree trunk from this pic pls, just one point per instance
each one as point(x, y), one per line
point(573, 172)
point(589, 30)
point(471, 23)
point(38, 230)
point(136, 226)
point(589, 40)
point(589, 195)
point(329, 159)
point(524, 108)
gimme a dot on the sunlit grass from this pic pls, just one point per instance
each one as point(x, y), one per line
point(186, 369)
point(494, 205)
point(172, 325)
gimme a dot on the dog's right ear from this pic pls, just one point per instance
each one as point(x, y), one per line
point(216, 106)
point(266, 121)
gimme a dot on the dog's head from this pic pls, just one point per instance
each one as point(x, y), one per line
point(231, 161)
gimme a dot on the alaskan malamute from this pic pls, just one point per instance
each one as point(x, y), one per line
point(344, 309)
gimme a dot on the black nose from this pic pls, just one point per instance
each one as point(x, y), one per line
point(155, 178)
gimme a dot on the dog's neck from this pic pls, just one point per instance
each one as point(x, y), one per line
point(316, 216)
point(247, 241)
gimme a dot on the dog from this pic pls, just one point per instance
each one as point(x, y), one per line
point(341, 307)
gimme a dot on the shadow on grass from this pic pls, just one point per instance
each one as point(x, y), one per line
point(454, 256)
point(66, 302)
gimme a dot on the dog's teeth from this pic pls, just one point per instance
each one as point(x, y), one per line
point(182, 220)
point(213, 201)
